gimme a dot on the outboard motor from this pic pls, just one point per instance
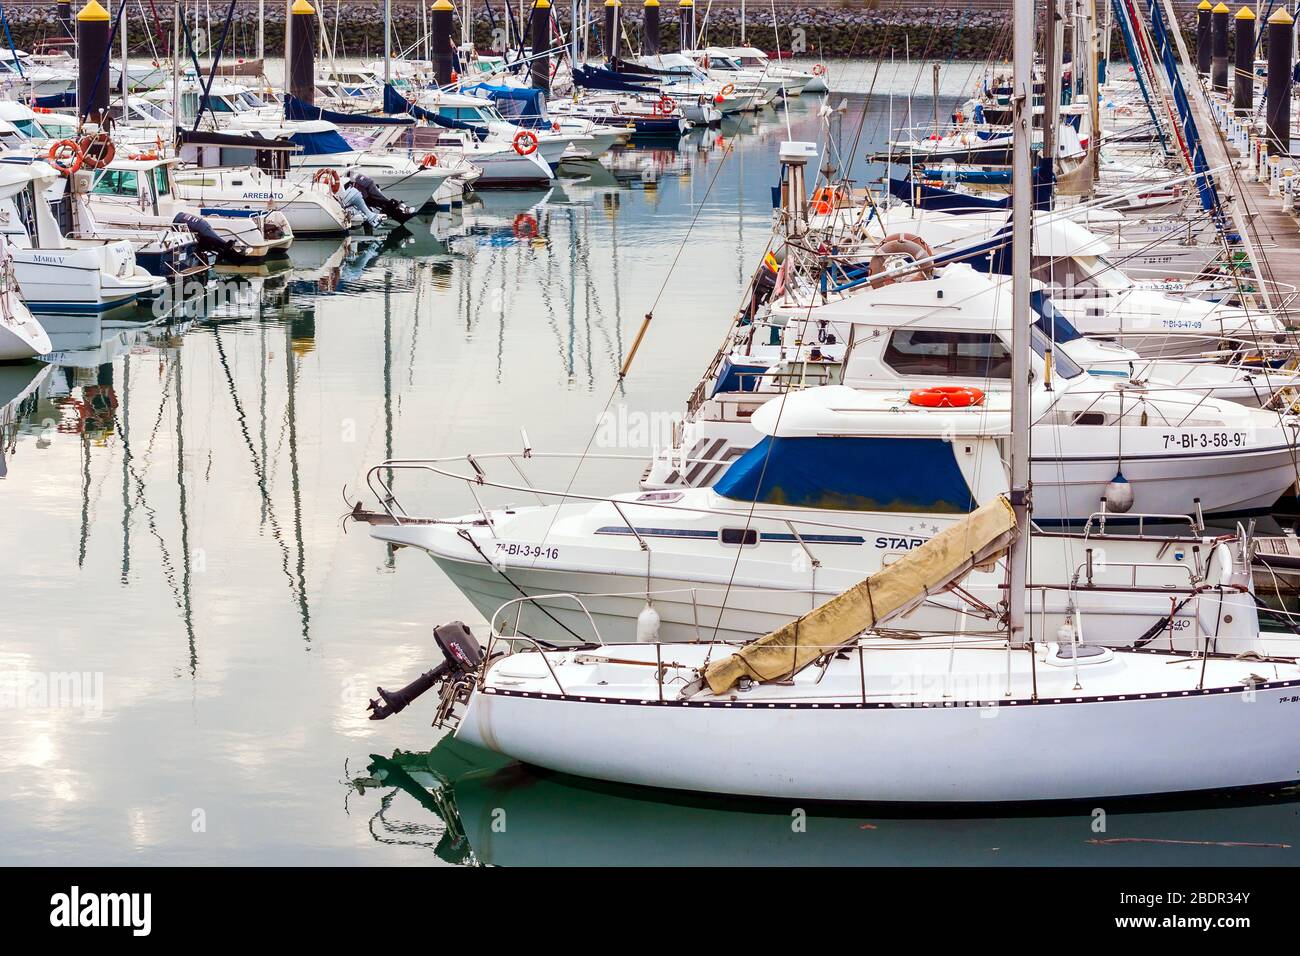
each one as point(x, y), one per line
point(210, 240)
point(463, 658)
point(399, 212)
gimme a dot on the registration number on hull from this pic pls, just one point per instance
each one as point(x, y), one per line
point(1196, 441)
point(513, 549)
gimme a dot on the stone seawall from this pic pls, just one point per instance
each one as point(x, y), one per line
point(973, 30)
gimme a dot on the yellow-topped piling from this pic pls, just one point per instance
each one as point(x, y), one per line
point(92, 11)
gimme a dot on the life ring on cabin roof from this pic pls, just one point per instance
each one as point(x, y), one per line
point(97, 150)
point(65, 156)
point(329, 177)
point(894, 252)
point(947, 396)
point(525, 142)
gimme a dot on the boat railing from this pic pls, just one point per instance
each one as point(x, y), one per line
point(1095, 527)
point(477, 479)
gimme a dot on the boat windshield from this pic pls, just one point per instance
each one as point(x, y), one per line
point(1062, 364)
point(145, 108)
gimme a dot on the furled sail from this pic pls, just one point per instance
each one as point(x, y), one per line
point(978, 539)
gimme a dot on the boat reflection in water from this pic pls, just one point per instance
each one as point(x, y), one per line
point(494, 811)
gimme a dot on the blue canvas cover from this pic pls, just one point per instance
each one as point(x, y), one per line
point(850, 474)
point(324, 143)
point(299, 110)
point(523, 106)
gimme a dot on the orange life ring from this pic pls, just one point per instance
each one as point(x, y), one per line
point(819, 69)
point(525, 142)
point(65, 156)
point(900, 245)
point(728, 89)
point(947, 396)
point(329, 177)
point(525, 226)
point(666, 106)
point(97, 150)
point(429, 161)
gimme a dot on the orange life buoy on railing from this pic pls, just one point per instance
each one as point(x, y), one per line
point(525, 226)
point(666, 106)
point(893, 252)
point(329, 177)
point(97, 150)
point(728, 89)
point(65, 156)
point(525, 142)
point(947, 396)
point(429, 161)
point(819, 69)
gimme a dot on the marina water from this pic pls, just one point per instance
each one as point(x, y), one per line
point(192, 632)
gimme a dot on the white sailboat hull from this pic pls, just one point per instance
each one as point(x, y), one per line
point(829, 742)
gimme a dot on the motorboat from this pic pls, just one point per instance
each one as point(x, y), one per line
point(139, 193)
point(55, 273)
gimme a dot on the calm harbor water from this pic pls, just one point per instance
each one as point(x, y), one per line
point(208, 629)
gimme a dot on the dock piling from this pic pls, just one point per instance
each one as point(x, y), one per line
point(1277, 95)
point(93, 80)
point(1219, 48)
point(650, 30)
point(541, 45)
point(1243, 76)
point(1203, 37)
point(302, 51)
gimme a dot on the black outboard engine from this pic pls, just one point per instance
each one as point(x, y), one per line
point(399, 212)
point(210, 240)
point(463, 657)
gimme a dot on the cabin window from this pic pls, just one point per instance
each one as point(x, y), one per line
point(929, 352)
point(160, 183)
point(1090, 418)
point(738, 537)
point(1062, 364)
point(850, 474)
point(117, 182)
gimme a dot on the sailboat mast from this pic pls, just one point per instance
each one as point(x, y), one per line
point(573, 34)
point(125, 82)
point(1021, 227)
point(388, 42)
point(1053, 34)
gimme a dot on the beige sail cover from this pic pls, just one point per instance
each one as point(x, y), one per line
point(978, 539)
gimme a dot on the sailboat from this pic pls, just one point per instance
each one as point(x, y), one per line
point(829, 707)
